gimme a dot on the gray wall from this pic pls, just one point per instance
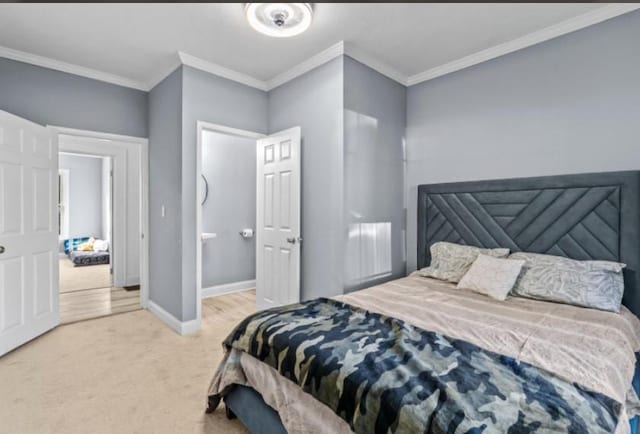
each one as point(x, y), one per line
point(374, 128)
point(165, 179)
point(314, 101)
point(85, 195)
point(229, 164)
point(568, 105)
point(51, 97)
point(209, 98)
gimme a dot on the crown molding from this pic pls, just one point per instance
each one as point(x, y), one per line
point(164, 73)
point(313, 62)
point(365, 58)
point(562, 28)
point(336, 50)
point(339, 49)
point(70, 68)
point(221, 71)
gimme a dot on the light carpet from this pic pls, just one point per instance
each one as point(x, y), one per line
point(127, 373)
point(86, 277)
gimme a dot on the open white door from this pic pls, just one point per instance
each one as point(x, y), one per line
point(278, 219)
point(28, 231)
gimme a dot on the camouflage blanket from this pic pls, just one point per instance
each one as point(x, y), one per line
point(382, 375)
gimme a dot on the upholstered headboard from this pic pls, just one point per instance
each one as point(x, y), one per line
point(586, 216)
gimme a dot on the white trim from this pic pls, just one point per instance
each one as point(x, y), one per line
point(63, 202)
point(562, 28)
point(341, 48)
point(313, 62)
point(70, 68)
point(164, 73)
point(77, 142)
point(144, 228)
point(201, 127)
point(98, 135)
point(228, 288)
point(367, 59)
point(208, 126)
point(180, 327)
point(220, 71)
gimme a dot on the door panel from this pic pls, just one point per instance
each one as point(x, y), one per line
point(11, 190)
point(43, 284)
point(278, 219)
point(28, 231)
point(285, 200)
point(42, 199)
point(11, 280)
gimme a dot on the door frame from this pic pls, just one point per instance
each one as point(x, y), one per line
point(110, 145)
point(201, 127)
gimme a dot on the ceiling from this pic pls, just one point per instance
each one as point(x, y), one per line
point(140, 41)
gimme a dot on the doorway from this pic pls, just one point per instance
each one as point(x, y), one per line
point(248, 212)
point(84, 216)
point(101, 207)
point(30, 216)
point(228, 213)
point(226, 210)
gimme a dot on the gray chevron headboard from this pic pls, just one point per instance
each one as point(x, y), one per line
point(587, 216)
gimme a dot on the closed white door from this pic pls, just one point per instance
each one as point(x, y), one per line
point(28, 231)
point(278, 239)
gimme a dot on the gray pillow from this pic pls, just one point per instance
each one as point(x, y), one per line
point(594, 284)
point(450, 261)
point(493, 277)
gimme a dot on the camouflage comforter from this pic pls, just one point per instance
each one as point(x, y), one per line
point(381, 374)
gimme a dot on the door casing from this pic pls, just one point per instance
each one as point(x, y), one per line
point(201, 127)
point(117, 146)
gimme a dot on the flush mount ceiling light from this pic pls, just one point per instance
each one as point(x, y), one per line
point(279, 20)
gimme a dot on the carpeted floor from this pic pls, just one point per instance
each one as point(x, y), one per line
point(85, 277)
point(126, 373)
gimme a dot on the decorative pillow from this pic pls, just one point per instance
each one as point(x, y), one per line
point(101, 246)
point(88, 246)
point(71, 244)
point(594, 284)
point(492, 276)
point(451, 261)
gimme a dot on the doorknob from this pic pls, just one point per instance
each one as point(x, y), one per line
point(291, 240)
point(1, 249)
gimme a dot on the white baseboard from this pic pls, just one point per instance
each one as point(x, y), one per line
point(228, 288)
point(180, 327)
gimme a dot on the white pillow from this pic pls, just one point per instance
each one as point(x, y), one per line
point(491, 276)
point(100, 246)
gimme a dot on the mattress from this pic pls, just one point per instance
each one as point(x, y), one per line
point(79, 257)
point(592, 348)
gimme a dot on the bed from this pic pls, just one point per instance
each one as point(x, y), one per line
point(82, 258)
point(572, 368)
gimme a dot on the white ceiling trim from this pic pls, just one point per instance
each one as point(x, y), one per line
point(562, 28)
point(164, 73)
point(341, 48)
point(336, 50)
point(70, 68)
point(363, 57)
point(221, 71)
point(302, 68)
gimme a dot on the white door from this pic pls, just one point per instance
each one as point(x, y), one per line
point(28, 231)
point(278, 219)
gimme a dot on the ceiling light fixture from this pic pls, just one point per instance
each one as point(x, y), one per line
point(280, 20)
